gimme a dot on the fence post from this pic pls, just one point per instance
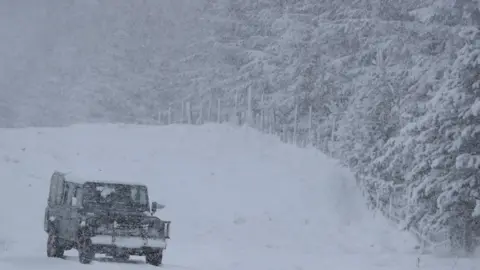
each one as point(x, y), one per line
point(310, 126)
point(390, 207)
point(262, 114)
point(272, 122)
point(189, 113)
point(169, 119)
point(295, 125)
point(268, 118)
point(235, 115)
point(332, 136)
point(258, 121)
point(249, 107)
point(219, 110)
point(183, 112)
point(265, 120)
point(200, 114)
point(209, 115)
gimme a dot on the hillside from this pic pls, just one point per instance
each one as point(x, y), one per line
point(237, 199)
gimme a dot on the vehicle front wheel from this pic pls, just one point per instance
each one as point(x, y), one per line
point(85, 251)
point(154, 258)
point(53, 247)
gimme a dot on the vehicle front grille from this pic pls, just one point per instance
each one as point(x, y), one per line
point(135, 226)
point(128, 231)
point(128, 226)
point(127, 222)
point(121, 229)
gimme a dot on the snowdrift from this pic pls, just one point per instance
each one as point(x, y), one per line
point(237, 199)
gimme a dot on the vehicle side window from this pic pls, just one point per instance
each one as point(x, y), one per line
point(79, 196)
point(65, 195)
point(74, 196)
point(56, 189)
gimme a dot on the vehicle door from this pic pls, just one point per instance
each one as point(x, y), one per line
point(64, 212)
point(73, 212)
point(54, 213)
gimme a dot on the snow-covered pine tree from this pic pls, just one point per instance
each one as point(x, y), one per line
point(452, 132)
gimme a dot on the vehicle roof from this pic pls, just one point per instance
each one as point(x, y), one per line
point(71, 177)
point(114, 183)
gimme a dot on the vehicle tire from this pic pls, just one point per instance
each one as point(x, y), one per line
point(154, 258)
point(53, 247)
point(86, 252)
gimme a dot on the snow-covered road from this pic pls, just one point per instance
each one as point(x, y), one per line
point(237, 200)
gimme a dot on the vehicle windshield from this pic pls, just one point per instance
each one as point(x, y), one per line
point(115, 195)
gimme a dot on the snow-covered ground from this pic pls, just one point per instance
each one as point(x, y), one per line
point(237, 199)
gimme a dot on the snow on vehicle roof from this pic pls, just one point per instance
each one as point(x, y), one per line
point(71, 177)
point(114, 182)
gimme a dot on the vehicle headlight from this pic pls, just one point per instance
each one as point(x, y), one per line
point(84, 222)
point(87, 225)
point(89, 222)
point(157, 224)
point(102, 229)
point(153, 227)
point(151, 224)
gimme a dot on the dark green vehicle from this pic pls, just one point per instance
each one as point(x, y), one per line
point(106, 218)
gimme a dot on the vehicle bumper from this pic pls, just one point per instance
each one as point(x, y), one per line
point(126, 244)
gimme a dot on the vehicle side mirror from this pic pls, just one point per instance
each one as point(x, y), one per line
point(156, 206)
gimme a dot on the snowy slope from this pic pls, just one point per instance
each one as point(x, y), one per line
point(238, 199)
